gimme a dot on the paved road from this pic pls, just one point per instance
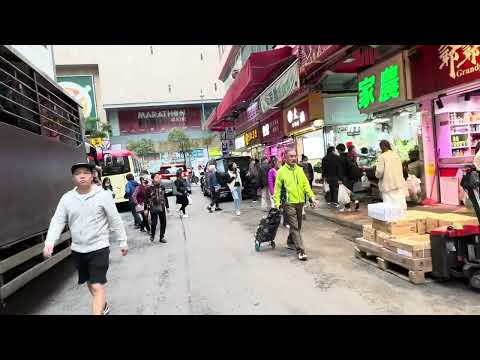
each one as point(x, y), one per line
point(209, 266)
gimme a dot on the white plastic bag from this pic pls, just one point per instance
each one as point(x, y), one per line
point(365, 181)
point(326, 187)
point(189, 200)
point(414, 189)
point(343, 195)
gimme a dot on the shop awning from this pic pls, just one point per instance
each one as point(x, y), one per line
point(251, 79)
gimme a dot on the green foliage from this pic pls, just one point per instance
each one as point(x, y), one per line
point(208, 141)
point(180, 141)
point(403, 147)
point(141, 147)
point(318, 167)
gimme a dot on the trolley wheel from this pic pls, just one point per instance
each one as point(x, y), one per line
point(257, 246)
point(272, 244)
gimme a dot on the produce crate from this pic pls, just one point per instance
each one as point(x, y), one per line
point(417, 246)
point(432, 223)
point(400, 227)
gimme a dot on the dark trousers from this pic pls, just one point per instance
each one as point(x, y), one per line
point(333, 194)
point(144, 224)
point(136, 217)
point(215, 198)
point(182, 209)
point(294, 215)
point(163, 222)
point(254, 191)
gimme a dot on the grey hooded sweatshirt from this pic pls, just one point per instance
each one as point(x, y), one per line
point(90, 218)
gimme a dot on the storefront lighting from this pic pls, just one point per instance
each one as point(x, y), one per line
point(319, 123)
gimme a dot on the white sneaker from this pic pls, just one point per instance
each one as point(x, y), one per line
point(185, 216)
point(238, 213)
point(302, 256)
point(106, 310)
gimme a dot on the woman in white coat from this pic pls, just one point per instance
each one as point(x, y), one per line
point(389, 170)
point(235, 186)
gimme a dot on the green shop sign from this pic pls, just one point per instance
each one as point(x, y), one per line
point(82, 89)
point(282, 87)
point(383, 86)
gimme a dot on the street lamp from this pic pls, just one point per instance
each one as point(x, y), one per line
point(203, 107)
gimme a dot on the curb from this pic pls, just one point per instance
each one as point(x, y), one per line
point(335, 220)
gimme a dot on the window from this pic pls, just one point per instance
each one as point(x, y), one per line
point(119, 165)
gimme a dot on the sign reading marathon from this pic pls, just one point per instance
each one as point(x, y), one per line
point(170, 115)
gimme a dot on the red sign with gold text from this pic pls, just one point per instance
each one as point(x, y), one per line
point(439, 67)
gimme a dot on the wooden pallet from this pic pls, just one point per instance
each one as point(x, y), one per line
point(392, 263)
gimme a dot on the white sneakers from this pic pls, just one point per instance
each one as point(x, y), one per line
point(238, 212)
point(185, 216)
point(302, 256)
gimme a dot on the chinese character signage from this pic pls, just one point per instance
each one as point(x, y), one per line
point(251, 137)
point(272, 129)
point(252, 111)
point(158, 120)
point(437, 68)
point(81, 88)
point(383, 85)
point(285, 85)
point(297, 117)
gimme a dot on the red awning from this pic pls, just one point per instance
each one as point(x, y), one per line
point(251, 79)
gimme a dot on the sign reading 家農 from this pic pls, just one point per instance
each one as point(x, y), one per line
point(251, 137)
point(437, 68)
point(383, 85)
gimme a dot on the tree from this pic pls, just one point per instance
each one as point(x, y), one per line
point(141, 147)
point(208, 141)
point(180, 142)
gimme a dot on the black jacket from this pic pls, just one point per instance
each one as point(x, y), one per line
point(332, 167)
point(182, 197)
point(263, 175)
point(351, 172)
point(156, 198)
point(308, 170)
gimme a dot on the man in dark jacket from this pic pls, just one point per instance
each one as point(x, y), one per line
point(350, 170)
point(332, 173)
point(129, 190)
point(157, 202)
point(308, 170)
point(214, 186)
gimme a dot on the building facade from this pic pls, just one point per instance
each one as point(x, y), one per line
point(143, 91)
point(40, 56)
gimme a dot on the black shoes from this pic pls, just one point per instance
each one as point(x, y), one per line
point(163, 241)
point(152, 238)
point(218, 209)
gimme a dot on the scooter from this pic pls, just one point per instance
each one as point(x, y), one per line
point(456, 251)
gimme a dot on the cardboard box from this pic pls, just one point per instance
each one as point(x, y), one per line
point(369, 233)
point(381, 237)
point(442, 223)
point(432, 223)
point(420, 264)
point(401, 227)
point(417, 246)
point(421, 226)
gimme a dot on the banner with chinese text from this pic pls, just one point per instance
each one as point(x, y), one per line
point(280, 89)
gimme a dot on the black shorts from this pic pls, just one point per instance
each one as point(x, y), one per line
point(93, 266)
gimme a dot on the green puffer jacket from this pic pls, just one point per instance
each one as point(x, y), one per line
point(296, 185)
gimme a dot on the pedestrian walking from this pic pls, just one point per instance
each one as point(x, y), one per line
point(351, 173)
point(107, 186)
point(97, 177)
point(308, 170)
point(91, 215)
point(293, 179)
point(253, 178)
point(129, 189)
point(352, 154)
point(389, 171)
point(332, 172)
point(235, 185)
point(264, 168)
point(182, 193)
point(157, 203)
point(214, 186)
point(139, 196)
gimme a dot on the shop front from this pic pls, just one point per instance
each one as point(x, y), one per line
point(303, 122)
point(384, 93)
point(446, 84)
point(273, 136)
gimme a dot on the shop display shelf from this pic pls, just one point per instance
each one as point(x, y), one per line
point(460, 147)
point(461, 133)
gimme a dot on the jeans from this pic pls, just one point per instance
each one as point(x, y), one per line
point(237, 197)
point(136, 217)
point(215, 198)
point(163, 222)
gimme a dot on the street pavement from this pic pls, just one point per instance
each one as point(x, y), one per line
point(210, 266)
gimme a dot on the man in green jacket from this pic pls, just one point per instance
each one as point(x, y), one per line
point(292, 177)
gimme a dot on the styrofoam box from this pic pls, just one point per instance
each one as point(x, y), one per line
point(386, 212)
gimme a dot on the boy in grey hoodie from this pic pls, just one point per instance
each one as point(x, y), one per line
point(90, 214)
